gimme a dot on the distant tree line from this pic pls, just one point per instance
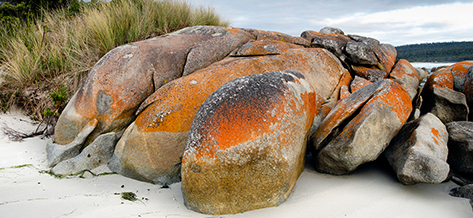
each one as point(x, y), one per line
point(24, 10)
point(436, 52)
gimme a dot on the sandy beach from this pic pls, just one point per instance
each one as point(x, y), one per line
point(372, 191)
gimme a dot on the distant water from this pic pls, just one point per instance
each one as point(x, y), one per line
point(430, 65)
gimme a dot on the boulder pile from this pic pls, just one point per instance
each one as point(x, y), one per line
point(231, 113)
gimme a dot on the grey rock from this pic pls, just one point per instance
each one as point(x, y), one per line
point(97, 153)
point(448, 105)
point(468, 89)
point(418, 154)
point(57, 152)
point(370, 42)
point(460, 145)
point(465, 191)
point(361, 53)
point(331, 30)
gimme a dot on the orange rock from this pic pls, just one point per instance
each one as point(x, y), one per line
point(161, 128)
point(344, 92)
point(440, 78)
point(277, 36)
point(386, 55)
point(360, 127)
point(459, 71)
point(406, 75)
point(128, 74)
point(358, 83)
point(246, 147)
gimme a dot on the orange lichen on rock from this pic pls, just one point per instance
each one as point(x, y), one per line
point(406, 75)
point(440, 78)
point(360, 127)
point(386, 55)
point(459, 71)
point(358, 83)
point(246, 147)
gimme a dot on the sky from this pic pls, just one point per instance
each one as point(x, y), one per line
point(396, 22)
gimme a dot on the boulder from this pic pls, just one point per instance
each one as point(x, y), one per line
point(386, 55)
point(361, 50)
point(359, 127)
point(246, 147)
point(151, 148)
point(465, 191)
point(440, 78)
point(358, 83)
point(459, 71)
point(468, 90)
point(423, 73)
point(98, 153)
point(128, 74)
point(448, 105)
point(372, 73)
point(406, 75)
point(418, 154)
point(331, 30)
point(335, 43)
point(277, 36)
point(344, 92)
point(460, 146)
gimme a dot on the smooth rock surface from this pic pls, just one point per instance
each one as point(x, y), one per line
point(247, 144)
point(418, 154)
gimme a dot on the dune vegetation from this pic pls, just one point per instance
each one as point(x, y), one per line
point(53, 52)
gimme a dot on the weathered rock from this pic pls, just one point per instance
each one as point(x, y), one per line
point(57, 152)
point(440, 78)
point(422, 72)
point(460, 146)
point(331, 30)
point(459, 71)
point(277, 36)
point(361, 50)
point(359, 127)
point(335, 43)
point(418, 154)
point(128, 74)
point(152, 147)
point(344, 92)
point(386, 55)
point(358, 83)
point(373, 74)
point(246, 147)
point(465, 191)
point(98, 153)
point(448, 105)
point(406, 75)
point(468, 90)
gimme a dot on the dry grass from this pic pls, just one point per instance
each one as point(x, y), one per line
point(40, 57)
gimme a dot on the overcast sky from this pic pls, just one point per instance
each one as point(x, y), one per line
point(396, 22)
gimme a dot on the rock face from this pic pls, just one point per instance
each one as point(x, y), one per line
point(247, 144)
point(460, 145)
point(468, 90)
point(418, 154)
point(128, 74)
point(448, 105)
point(459, 71)
point(165, 121)
point(406, 75)
point(359, 127)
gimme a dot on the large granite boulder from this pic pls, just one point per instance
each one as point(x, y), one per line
point(459, 71)
point(360, 127)
point(418, 154)
point(448, 105)
point(128, 74)
point(152, 147)
point(468, 90)
point(406, 75)
point(460, 146)
point(247, 144)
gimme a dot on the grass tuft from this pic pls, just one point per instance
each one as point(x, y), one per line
point(58, 50)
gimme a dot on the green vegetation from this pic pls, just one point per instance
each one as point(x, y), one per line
point(51, 49)
point(436, 52)
point(130, 196)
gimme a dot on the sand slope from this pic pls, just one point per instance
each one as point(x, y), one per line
point(372, 191)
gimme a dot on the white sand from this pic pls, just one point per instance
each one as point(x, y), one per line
point(370, 192)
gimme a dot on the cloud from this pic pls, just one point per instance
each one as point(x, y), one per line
point(391, 21)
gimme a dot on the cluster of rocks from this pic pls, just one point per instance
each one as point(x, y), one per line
point(231, 113)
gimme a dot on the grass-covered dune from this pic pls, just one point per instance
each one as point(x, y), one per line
point(57, 50)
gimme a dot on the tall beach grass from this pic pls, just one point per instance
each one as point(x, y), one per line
point(59, 49)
